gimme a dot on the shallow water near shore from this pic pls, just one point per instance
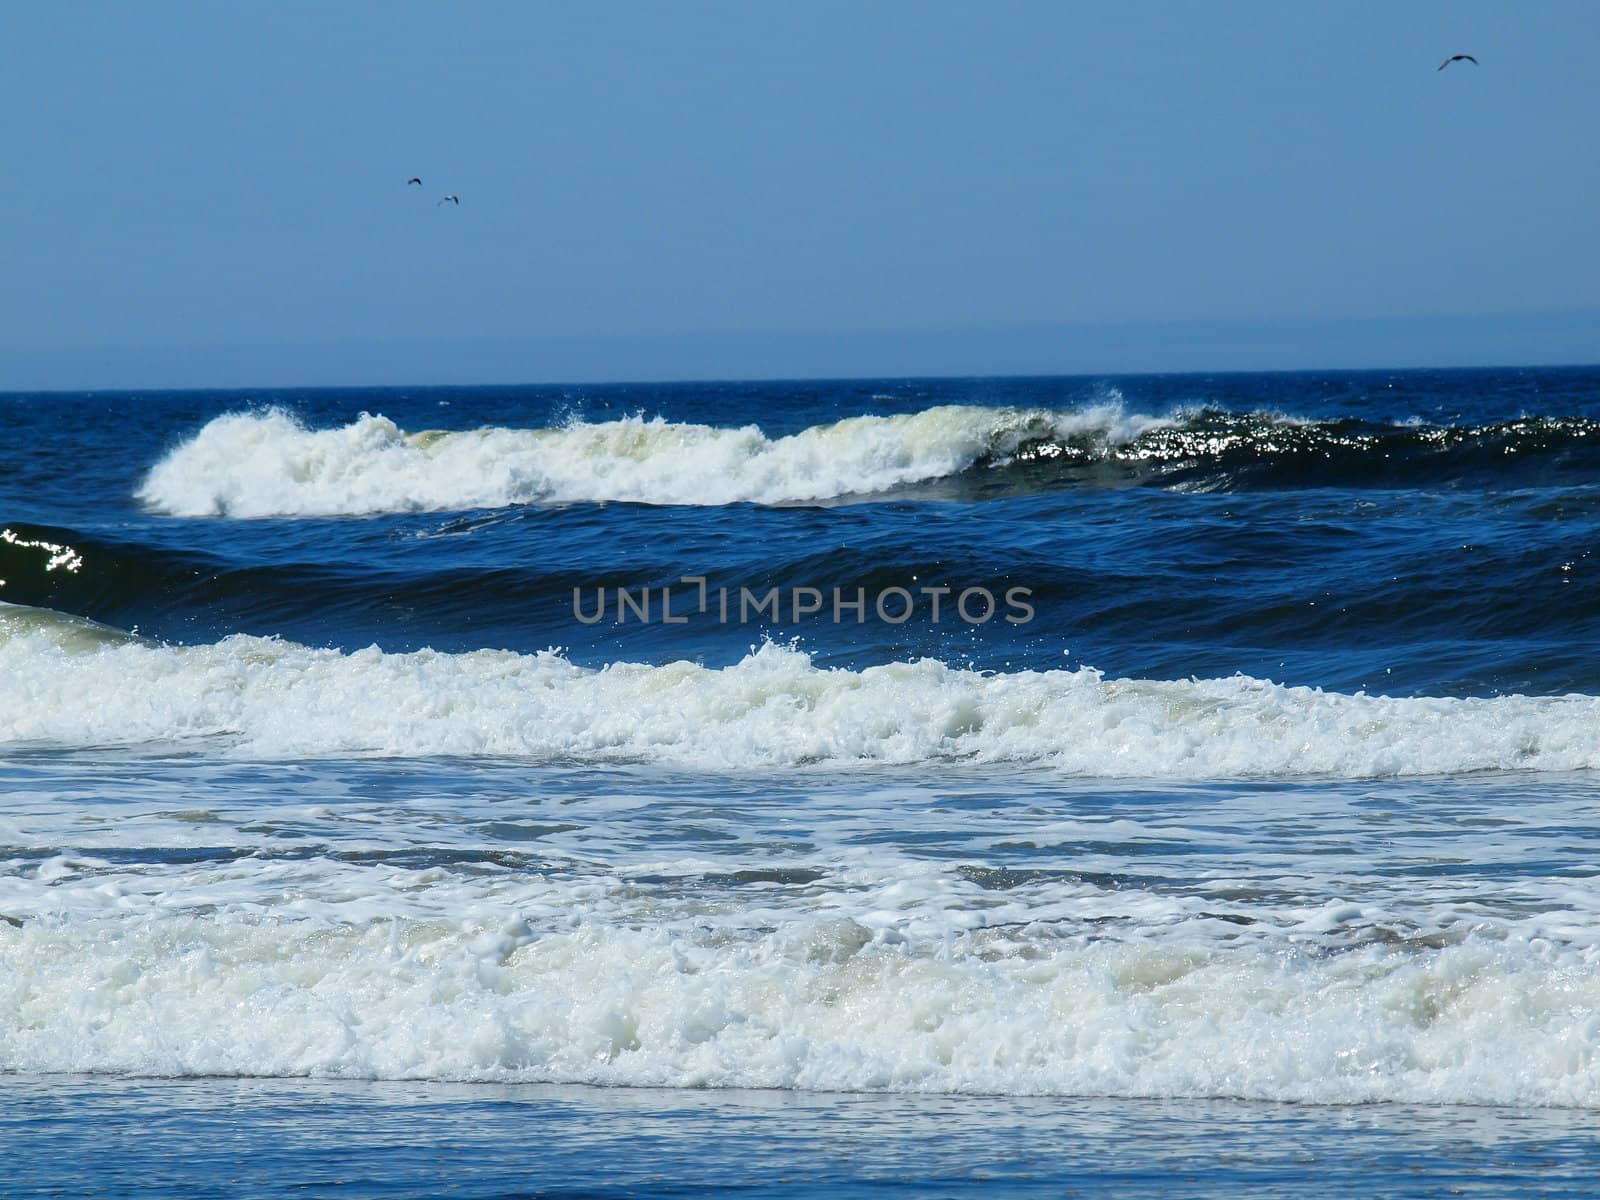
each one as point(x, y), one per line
point(220, 1137)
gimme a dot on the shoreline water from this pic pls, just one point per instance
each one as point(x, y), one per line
point(137, 1138)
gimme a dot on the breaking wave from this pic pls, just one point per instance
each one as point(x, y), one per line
point(265, 464)
point(67, 682)
point(268, 464)
point(819, 1004)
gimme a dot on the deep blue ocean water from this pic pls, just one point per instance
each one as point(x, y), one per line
point(574, 790)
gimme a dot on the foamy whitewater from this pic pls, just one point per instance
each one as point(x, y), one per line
point(784, 942)
point(320, 762)
point(71, 686)
point(269, 464)
point(827, 1004)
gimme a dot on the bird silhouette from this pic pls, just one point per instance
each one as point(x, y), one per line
point(414, 179)
point(456, 200)
point(1458, 58)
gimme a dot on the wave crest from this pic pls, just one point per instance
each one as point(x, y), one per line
point(264, 697)
point(821, 1008)
point(269, 464)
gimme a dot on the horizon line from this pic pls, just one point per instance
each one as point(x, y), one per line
point(708, 381)
point(1233, 346)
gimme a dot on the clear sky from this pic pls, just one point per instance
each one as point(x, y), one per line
point(214, 193)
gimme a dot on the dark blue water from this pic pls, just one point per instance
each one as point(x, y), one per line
point(342, 791)
point(1426, 533)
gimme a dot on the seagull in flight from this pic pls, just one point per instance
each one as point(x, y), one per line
point(456, 200)
point(1458, 58)
point(416, 179)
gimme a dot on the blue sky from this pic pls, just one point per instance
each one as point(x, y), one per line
point(214, 194)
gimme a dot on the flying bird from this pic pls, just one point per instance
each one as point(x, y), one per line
point(1458, 58)
point(414, 179)
point(456, 200)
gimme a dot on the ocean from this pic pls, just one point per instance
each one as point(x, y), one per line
point(1094, 786)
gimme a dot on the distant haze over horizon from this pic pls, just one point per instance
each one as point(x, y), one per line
point(1548, 340)
point(217, 196)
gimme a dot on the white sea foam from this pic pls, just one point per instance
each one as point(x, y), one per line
point(269, 698)
point(826, 1005)
point(495, 920)
point(268, 464)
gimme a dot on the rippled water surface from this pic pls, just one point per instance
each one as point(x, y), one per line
point(342, 798)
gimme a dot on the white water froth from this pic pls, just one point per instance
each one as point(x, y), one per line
point(828, 1006)
point(262, 697)
point(269, 464)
